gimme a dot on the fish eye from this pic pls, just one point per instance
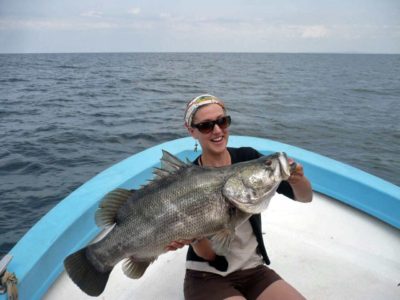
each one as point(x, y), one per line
point(268, 163)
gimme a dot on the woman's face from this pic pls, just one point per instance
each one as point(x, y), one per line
point(215, 141)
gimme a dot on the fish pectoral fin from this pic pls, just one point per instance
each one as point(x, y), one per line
point(109, 206)
point(135, 269)
point(222, 240)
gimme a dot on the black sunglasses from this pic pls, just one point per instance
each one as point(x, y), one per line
point(208, 126)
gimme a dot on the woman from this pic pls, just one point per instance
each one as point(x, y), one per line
point(242, 274)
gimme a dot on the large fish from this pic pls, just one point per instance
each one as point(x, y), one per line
point(184, 201)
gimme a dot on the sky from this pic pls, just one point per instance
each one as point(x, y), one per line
point(312, 26)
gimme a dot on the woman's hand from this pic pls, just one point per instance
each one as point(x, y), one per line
point(175, 245)
point(297, 174)
point(301, 186)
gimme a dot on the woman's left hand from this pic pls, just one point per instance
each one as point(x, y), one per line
point(301, 186)
point(296, 175)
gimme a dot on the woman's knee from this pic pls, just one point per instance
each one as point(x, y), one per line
point(280, 289)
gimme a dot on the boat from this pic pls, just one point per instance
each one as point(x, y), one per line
point(344, 244)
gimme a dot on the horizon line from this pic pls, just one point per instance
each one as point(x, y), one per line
point(205, 52)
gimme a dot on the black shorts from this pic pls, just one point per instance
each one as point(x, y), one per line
point(248, 283)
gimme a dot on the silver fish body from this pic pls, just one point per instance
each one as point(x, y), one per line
point(182, 202)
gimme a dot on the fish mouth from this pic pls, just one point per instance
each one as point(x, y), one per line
point(292, 167)
point(285, 168)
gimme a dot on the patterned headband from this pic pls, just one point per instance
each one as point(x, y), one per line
point(198, 102)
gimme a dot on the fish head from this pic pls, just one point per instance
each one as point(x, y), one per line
point(253, 183)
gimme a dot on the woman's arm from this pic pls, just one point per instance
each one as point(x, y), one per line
point(202, 247)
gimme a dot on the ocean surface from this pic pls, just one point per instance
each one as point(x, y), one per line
point(66, 117)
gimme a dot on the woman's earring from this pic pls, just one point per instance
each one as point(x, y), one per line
point(195, 147)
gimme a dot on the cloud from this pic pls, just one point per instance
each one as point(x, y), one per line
point(92, 14)
point(165, 15)
point(314, 32)
point(134, 11)
point(257, 28)
point(54, 25)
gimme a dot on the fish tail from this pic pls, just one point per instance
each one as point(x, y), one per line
point(84, 274)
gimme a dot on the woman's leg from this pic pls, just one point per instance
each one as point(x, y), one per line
point(280, 289)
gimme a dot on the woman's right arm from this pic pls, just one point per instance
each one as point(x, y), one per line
point(202, 247)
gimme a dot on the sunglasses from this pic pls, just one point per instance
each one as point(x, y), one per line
point(207, 127)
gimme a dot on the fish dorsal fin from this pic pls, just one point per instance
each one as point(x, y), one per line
point(169, 165)
point(160, 173)
point(107, 212)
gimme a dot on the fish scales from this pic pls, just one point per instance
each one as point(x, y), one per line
point(179, 204)
point(186, 202)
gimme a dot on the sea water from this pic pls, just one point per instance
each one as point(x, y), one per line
point(66, 117)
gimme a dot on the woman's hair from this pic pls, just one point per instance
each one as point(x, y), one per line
point(196, 103)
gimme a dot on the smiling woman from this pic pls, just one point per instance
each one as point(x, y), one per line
point(241, 273)
point(201, 119)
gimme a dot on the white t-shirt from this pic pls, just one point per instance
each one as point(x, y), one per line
point(242, 254)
